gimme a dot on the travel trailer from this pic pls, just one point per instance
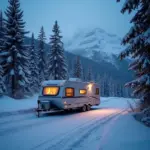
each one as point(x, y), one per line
point(67, 95)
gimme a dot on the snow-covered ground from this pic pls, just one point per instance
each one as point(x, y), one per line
point(8, 104)
point(108, 126)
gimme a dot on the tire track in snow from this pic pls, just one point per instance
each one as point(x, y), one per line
point(32, 123)
point(69, 144)
point(19, 112)
point(29, 125)
point(15, 119)
point(83, 129)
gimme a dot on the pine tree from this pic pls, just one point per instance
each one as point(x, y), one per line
point(41, 60)
point(138, 46)
point(2, 40)
point(83, 74)
point(1, 30)
point(106, 86)
point(33, 66)
point(111, 87)
point(64, 69)
point(15, 58)
point(2, 85)
point(77, 68)
point(57, 67)
point(27, 70)
point(70, 68)
point(89, 74)
point(102, 86)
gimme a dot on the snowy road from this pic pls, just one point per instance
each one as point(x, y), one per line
point(61, 131)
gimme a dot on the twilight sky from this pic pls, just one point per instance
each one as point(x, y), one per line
point(73, 15)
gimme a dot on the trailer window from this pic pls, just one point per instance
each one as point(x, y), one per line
point(97, 91)
point(69, 92)
point(51, 90)
point(83, 91)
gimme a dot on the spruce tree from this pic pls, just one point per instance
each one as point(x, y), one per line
point(2, 85)
point(41, 51)
point(2, 40)
point(137, 41)
point(102, 86)
point(83, 74)
point(89, 74)
point(57, 67)
point(77, 68)
point(1, 30)
point(15, 58)
point(33, 66)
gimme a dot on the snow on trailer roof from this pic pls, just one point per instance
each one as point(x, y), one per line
point(59, 82)
point(53, 82)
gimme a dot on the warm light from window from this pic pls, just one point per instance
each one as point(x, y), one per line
point(90, 87)
point(50, 91)
point(83, 92)
point(69, 92)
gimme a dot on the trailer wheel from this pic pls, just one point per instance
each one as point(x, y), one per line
point(88, 107)
point(83, 109)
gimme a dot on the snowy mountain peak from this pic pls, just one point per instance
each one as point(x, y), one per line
point(87, 41)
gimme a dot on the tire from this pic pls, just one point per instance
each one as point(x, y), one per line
point(83, 109)
point(88, 107)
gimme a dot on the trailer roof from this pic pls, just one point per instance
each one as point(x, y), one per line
point(53, 82)
point(62, 82)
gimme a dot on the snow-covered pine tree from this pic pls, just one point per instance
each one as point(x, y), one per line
point(118, 89)
point(70, 68)
point(83, 74)
point(15, 50)
point(27, 70)
point(111, 87)
point(77, 68)
point(89, 74)
point(2, 39)
point(41, 52)
point(33, 67)
point(138, 47)
point(1, 29)
point(2, 85)
point(102, 86)
point(57, 67)
point(64, 69)
point(106, 85)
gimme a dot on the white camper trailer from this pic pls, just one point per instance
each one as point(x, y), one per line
point(67, 95)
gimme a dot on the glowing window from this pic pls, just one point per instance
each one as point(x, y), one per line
point(83, 91)
point(69, 92)
point(97, 91)
point(53, 91)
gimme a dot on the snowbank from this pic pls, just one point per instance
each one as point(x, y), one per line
point(8, 104)
point(143, 116)
point(116, 102)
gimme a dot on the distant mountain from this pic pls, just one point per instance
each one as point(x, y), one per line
point(100, 65)
point(95, 44)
